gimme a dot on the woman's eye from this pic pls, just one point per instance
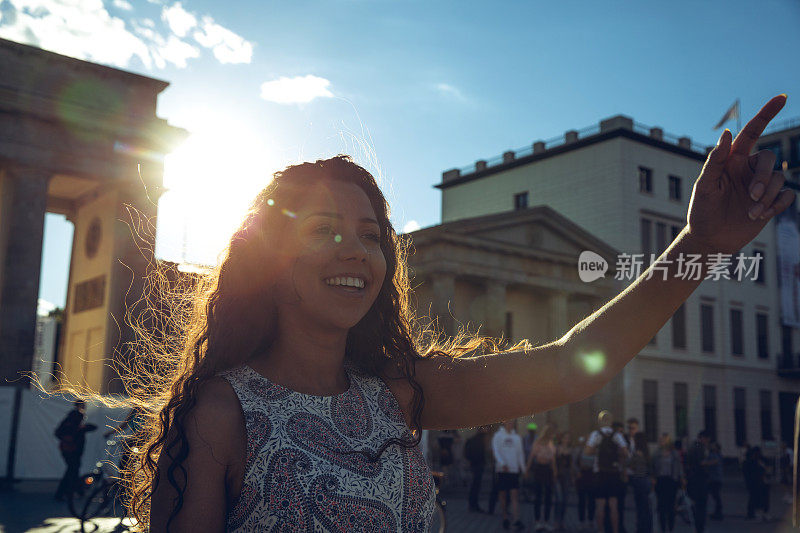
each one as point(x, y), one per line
point(323, 230)
point(373, 237)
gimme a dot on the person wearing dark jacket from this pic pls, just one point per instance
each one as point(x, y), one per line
point(755, 479)
point(697, 463)
point(715, 479)
point(475, 453)
point(71, 433)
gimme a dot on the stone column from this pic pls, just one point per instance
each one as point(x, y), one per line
point(444, 290)
point(495, 309)
point(22, 262)
point(557, 313)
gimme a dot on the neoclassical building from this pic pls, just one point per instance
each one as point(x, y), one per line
point(514, 274)
point(82, 140)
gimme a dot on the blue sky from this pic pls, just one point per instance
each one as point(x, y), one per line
point(411, 88)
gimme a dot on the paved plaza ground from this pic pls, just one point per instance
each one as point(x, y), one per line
point(30, 507)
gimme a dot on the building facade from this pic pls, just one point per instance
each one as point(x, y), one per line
point(717, 363)
point(513, 275)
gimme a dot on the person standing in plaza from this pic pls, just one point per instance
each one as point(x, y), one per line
point(755, 479)
point(640, 481)
point(584, 485)
point(71, 434)
point(527, 485)
point(715, 479)
point(697, 463)
point(632, 430)
point(509, 464)
point(565, 474)
point(668, 470)
point(475, 453)
point(610, 451)
point(543, 461)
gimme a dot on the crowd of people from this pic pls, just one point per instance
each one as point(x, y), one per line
point(597, 472)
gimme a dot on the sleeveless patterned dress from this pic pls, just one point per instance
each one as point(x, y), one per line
point(297, 479)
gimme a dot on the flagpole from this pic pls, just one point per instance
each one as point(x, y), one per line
point(738, 116)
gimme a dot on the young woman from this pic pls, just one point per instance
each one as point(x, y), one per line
point(543, 460)
point(668, 471)
point(304, 379)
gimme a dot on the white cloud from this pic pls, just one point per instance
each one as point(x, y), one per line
point(228, 47)
point(177, 52)
point(297, 90)
point(122, 4)
point(44, 307)
point(79, 29)
point(411, 225)
point(86, 30)
point(180, 21)
point(451, 91)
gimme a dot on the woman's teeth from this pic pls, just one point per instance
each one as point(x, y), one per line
point(346, 282)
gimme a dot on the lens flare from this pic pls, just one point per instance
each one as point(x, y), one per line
point(593, 362)
point(337, 238)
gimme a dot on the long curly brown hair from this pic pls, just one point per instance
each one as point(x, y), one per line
point(219, 319)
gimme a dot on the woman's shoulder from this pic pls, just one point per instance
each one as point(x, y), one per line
point(218, 406)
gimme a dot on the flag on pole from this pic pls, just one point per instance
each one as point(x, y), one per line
point(731, 113)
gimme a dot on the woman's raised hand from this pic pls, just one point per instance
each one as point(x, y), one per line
point(738, 193)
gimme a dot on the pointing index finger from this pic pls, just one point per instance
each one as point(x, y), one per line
point(744, 142)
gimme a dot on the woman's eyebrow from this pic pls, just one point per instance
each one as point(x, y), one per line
point(338, 216)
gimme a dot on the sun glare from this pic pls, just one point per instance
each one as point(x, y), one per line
point(210, 180)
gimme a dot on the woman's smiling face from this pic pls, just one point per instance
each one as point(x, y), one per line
point(334, 263)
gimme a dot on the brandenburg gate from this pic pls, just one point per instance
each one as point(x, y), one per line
point(82, 140)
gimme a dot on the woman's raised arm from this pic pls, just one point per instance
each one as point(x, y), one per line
point(481, 390)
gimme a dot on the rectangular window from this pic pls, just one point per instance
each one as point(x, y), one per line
point(787, 346)
point(786, 341)
point(661, 237)
point(521, 200)
point(645, 179)
point(509, 326)
point(710, 410)
point(762, 335)
point(675, 188)
point(675, 231)
point(650, 395)
point(647, 242)
point(760, 263)
point(765, 405)
point(737, 332)
point(707, 327)
point(679, 328)
point(775, 148)
point(739, 416)
point(794, 149)
point(681, 410)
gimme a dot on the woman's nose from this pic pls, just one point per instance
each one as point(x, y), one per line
point(350, 247)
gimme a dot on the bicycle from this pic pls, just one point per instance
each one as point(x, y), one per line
point(96, 492)
point(439, 523)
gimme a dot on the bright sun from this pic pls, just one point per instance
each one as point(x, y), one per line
point(210, 180)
